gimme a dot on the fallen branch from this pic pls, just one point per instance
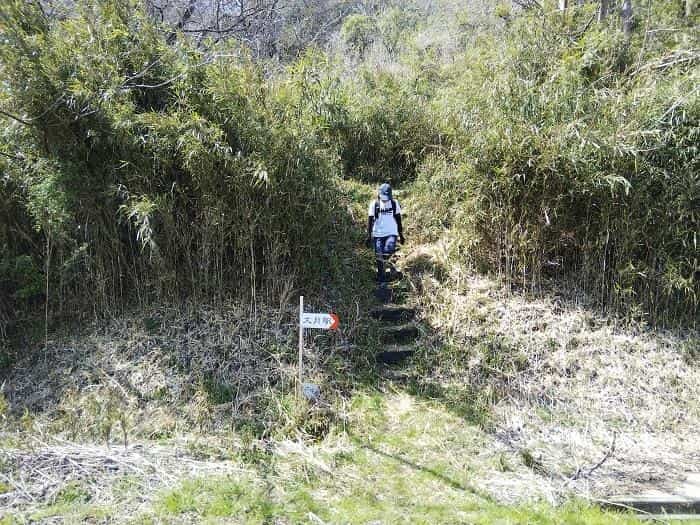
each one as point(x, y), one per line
point(675, 58)
point(606, 456)
point(647, 515)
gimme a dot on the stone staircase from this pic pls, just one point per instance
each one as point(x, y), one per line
point(398, 330)
point(664, 504)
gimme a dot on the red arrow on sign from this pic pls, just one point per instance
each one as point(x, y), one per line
point(334, 323)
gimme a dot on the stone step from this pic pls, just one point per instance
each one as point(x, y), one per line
point(384, 294)
point(684, 499)
point(399, 334)
point(659, 504)
point(668, 518)
point(395, 355)
point(397, 375)
point(393, 313)
point(394, 276)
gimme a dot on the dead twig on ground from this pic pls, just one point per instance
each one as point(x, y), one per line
point(608, 453)
point(38, 475)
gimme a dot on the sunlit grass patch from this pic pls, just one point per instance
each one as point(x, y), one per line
point(216, 498)
point(406, 460)
point(390, 467)
point(74, 512)
point(572, 513)
point(399, 459)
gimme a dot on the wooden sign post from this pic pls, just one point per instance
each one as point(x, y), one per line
point(309, 320)
point(301, 342)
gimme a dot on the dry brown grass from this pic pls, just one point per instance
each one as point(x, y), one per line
point(44, 473)
point(135, 405)
point(578, 404)
point(156, 375)
point(592, 405)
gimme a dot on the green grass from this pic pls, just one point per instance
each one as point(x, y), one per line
point(73, 492)
point(408, 460)
point(397, 458)
point(573, 513)
point(217, 391)
point(71, 512)
point(217, 498)
point(403, 460)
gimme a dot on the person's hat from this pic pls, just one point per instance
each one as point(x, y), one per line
point(385, 192)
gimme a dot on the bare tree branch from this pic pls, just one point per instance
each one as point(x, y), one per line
point(186, 15)
point(268, 27)
point(242, 20)
point(164, 83)
point(528, 4)
point(28, 121)
point(15, 118)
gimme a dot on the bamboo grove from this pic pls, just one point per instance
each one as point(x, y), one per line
point(137, 167)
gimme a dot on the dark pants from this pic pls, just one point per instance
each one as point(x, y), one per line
point(384, 247)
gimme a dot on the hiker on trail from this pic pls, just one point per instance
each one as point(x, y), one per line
point(383, 228)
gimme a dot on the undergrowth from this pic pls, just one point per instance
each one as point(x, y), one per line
point(400, 460)
point(182, 198)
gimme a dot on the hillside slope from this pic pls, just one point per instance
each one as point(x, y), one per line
point(511, 404)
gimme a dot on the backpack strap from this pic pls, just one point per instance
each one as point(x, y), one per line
point(377, 205)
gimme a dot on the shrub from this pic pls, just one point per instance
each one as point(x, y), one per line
point(150, 171)
point(358, 33)
point(388, 128)
point(573, 160)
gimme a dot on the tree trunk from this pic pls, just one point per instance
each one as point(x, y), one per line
point(627, 17)
point(563, 5)
point(602, 10)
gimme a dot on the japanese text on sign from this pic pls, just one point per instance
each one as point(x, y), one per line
point(321, 321)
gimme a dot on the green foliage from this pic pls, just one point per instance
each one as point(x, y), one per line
point(219, 498)
point(217, 392)
point(575, 157)
point(387, 130)
point(502, 11)
point(150, 171)
point(73, 493)
point(358, 32)
point(133, 168)
point(21, 275)
point(395, 27)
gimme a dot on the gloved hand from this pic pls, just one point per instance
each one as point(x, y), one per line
point(402, 239)
point(368, 242)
